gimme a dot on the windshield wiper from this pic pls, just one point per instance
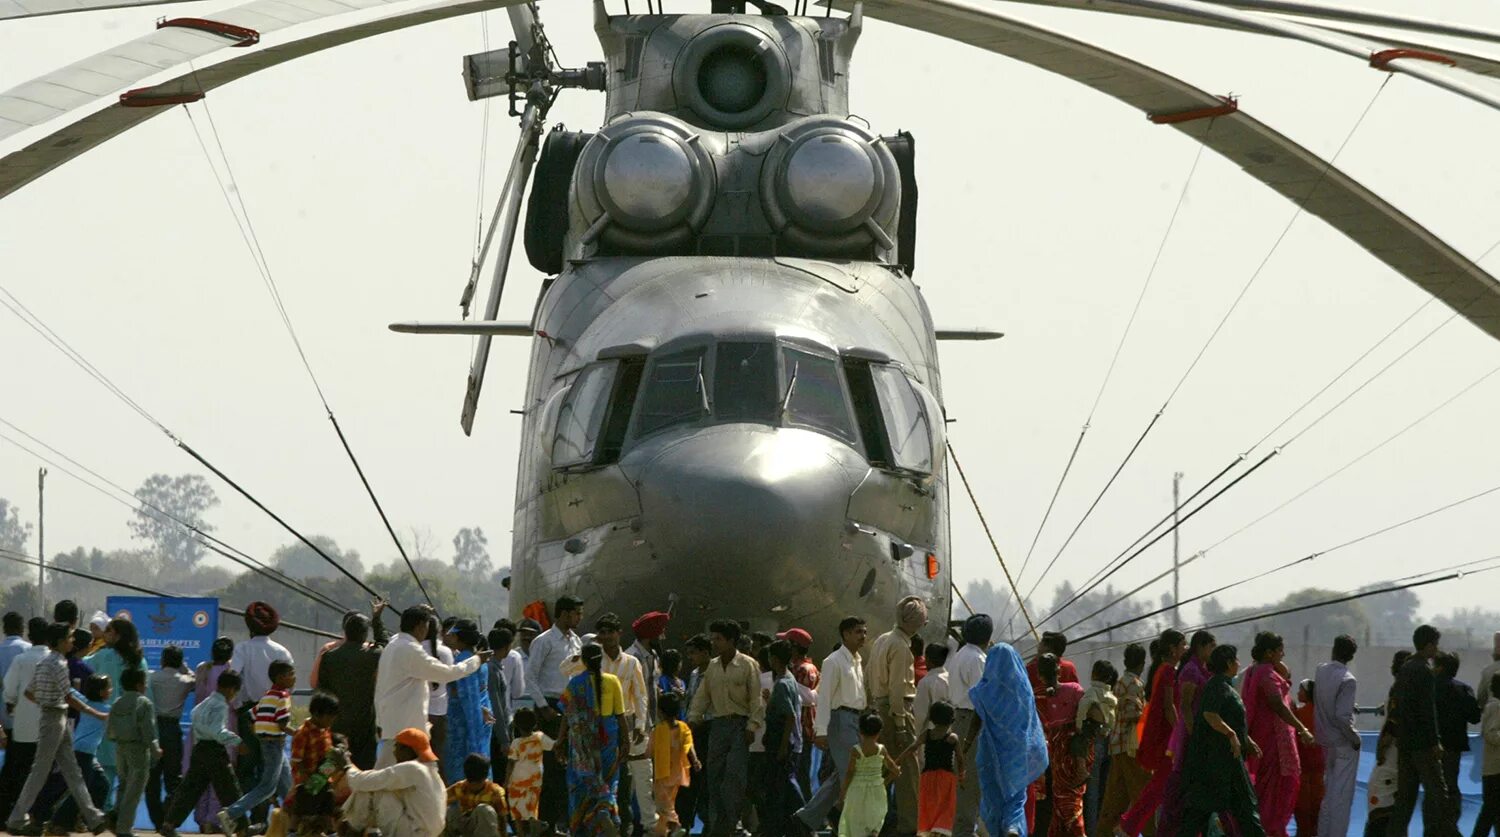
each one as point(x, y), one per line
point(703, 388)
point(791, 387)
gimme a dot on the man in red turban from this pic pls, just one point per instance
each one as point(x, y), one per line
point(261, 619)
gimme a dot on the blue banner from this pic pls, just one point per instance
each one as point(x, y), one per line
point(189, 624)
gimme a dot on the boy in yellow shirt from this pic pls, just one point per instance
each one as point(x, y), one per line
point(476, 806)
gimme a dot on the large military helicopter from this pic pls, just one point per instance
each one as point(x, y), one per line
point(734, 402)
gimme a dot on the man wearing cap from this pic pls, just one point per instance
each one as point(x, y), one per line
point(805, 672)
point(545, 682)
point(526, 632)
point(892, 688)
point(402, 800)
point(252, 662)
point(841, 697)
point(403, 681)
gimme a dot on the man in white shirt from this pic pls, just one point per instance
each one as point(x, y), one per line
point(1333, 704)
point(964, 673)
point(934, 687)
point(252, 662)
point(638, 776)
point(841, 697)
point(545, 682)
point(25, 716)
point(403, 681)
point(402, 800)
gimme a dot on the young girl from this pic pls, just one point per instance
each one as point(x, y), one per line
point(523, 780)
point(870, 770)
point(672, 759)
point(668, 681)
point(942, 770)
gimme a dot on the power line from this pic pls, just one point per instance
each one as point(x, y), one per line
point(996, 547)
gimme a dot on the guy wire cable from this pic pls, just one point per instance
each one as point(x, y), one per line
point(1288, 565)
point(996, 547)
point(1117, 563)
point(1114, 360)
point(204, 539)
point(1218, 329)
point(23, 558)
point(1456, 571)
point(263, 266)
point(78, 359)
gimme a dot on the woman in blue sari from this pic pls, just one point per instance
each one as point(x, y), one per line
point(1012, 750)
point(593, 706)
point(469, 715)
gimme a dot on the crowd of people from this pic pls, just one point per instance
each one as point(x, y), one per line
point(539, 727)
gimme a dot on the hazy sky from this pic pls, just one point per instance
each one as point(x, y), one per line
point(1042, 204)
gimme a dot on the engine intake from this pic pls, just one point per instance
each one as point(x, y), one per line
point(829, 186)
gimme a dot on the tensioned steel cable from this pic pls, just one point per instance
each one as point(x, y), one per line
point(1361, 457)
point(1113, 362)
point(204, 539)
point(1288, 565)
point(1456, 571)
point(987, 533)
point(23, 558)
point(1234, 306)
point(78, 359)
point(1120, 560)
point(258, 255)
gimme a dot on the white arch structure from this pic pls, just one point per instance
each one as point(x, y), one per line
point(1262, 152)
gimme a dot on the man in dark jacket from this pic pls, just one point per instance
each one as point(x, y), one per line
point(1456, 709)
point(348, 673)
point(1414, 714)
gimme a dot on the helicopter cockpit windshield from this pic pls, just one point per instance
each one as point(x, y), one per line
point(870, 406)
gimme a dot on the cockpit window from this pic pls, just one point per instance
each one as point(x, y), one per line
point(674, 392)
point(745, 382)
point(906, 423)
point(581, 416)
point(814, 395)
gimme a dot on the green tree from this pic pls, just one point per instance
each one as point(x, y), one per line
point(1319, 624)
point(186, 497)
point(14, 534)
point(299, 561)
point(471, 554)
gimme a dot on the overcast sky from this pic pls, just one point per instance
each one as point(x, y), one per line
point(1042, 204)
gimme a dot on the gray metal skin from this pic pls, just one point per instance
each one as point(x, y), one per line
point(772, 524)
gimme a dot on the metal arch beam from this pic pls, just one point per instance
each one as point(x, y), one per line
point(1338, 39)
point(11, 9)
point(68, 141)
point(1263, 153)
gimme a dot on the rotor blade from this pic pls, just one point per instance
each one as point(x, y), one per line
point(515, 189)
point(472, 328)
point(523, 24)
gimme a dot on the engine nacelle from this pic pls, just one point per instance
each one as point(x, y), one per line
point(651, 184)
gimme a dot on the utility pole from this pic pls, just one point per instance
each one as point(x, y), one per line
point(41, 539)
point(1176, 548)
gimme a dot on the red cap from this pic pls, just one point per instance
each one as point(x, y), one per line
point(418, 741)
point(797, 637)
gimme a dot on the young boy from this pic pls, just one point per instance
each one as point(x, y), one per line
point(212, 741)
point(168, 688)
point(312, 798)
point(784, 743)
point(672, 757)
point(51, 690)
point(476, 806)
point(132, 726)
point(273, 723)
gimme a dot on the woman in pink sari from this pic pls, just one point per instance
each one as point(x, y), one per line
point(1277, 772)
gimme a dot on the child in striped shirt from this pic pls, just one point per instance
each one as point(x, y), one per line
point(272, 724)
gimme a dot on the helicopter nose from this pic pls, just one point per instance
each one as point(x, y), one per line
point(748, 501)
